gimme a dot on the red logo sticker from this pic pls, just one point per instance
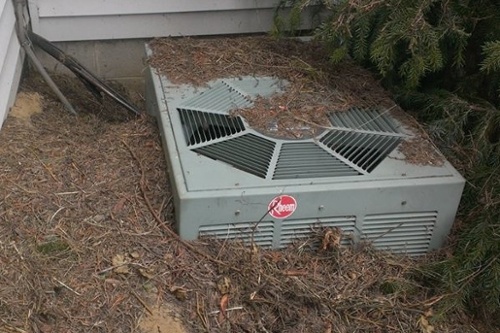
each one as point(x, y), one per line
point(282, 206)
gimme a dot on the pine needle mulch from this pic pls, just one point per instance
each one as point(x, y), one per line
point(86, 245)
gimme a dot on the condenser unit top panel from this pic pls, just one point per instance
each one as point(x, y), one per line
point(214, 149)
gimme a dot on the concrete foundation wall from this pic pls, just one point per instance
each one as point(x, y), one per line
point(118, 60)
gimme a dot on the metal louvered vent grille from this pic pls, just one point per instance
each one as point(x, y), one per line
point(262, 235)
point(365, 150)
point(364, 137)
point(292, 230)
point(248, 152)
point(363, 119)
point(408, 233)
point(200, 127)
point(308, 160)
point(220, 97)
point(360, 139)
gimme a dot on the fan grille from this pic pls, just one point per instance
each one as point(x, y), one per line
point(363, 119)
point(248, 152)
point(307, 160)
point(365, 137)
point(221, 97)
point(359, 140)
point(365, 150)
point(201, 127)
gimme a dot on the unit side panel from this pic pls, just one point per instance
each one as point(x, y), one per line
point(356, 210)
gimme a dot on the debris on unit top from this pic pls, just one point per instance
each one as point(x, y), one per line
point(315, 87)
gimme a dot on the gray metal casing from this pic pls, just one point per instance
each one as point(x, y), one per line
point(397, 206)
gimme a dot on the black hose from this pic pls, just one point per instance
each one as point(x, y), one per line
point(93, 83)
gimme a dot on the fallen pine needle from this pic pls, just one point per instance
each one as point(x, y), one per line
point(229, 309)
point(142, 302)
point(67, 287)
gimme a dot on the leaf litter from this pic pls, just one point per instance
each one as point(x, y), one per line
point(98, 183)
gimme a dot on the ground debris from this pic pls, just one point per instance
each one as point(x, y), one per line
point(308, 289)
point(73, 197)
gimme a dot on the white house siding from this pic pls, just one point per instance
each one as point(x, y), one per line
point(11, 58)
point(77, 20)
point(108, 36)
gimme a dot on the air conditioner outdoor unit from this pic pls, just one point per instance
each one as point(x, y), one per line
point(231, 181)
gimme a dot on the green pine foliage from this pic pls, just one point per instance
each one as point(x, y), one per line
point(468, 134)
point(491, 51)
point(287, 20)
point(441, 59)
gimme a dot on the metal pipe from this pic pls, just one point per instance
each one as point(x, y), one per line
point(25, 43)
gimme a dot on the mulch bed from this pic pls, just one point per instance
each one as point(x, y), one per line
point(86, 244)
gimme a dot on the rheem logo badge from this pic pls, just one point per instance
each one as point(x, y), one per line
point(282, 206)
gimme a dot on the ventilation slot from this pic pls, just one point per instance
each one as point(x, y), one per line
point(307, 160)
point(258, 86)
point(363, 119)
point(400, 233)
point(248, 152)
point(200, 127)
point(262, 234)
point(220, 97)
point(365, 150)
point(293, 230)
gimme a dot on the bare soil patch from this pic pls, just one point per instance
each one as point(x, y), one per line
point(27, 104)
point(161, 320)
point(86, 245)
